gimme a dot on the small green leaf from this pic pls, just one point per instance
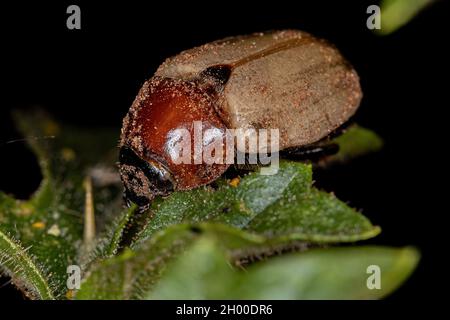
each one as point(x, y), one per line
point(397, 13)
point(285, 206)
point(118, 232)
point(335, 273)
point(356, 141)
point(332, 273)
point(20, 265)
point(314, 217)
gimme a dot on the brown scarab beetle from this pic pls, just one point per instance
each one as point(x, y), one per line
point(288, 80)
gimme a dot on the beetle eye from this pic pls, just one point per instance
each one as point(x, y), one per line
point(143, 180)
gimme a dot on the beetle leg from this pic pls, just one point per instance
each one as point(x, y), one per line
point(317, 150)
point(312, 152)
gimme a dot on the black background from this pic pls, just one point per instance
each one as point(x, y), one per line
point(89, 77)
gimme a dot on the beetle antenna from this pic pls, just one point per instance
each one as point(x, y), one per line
point(26, 140)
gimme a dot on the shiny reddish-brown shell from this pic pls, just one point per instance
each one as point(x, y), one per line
point(161, 107)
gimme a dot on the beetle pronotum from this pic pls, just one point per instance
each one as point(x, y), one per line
point(288, 80)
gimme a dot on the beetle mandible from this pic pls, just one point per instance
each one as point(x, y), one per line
point(288, 80)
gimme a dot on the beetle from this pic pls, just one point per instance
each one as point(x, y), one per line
point(286, 79)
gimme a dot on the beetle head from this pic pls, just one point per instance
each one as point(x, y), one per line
point(143, 179)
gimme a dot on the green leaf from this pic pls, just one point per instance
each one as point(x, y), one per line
point(116, 232)
point(109, 242)
point(335, 273)
point(20, 265)
point(356, 141)
point(283, 206)
point(314, 217)
point(397, 13)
